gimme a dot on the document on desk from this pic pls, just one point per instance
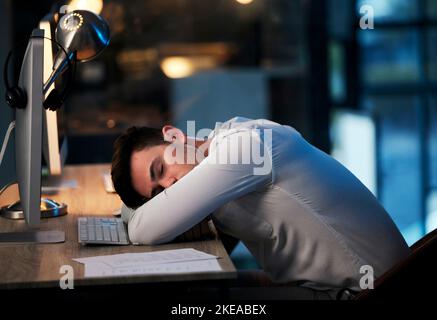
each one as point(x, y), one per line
point(97, 269)
point(158, 262)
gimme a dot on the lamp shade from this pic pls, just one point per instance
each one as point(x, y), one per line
point(83, 35)
point(82, 32)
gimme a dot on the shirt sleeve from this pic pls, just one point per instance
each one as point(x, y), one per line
point(204, 189)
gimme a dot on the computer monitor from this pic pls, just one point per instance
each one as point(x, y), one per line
point(36, 128)
point(28, 147)
point(28, 130)
point(29, 139)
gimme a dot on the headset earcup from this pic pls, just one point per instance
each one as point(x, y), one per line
point(53, 101)
point(16, 98)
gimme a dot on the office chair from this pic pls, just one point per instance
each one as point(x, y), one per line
point(408, 278)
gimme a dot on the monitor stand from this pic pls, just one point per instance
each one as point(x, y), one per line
point(49, 209)
point(32, 237)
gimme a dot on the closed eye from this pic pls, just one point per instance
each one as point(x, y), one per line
point(152, 170)
point(156, 171)
point(161, 169)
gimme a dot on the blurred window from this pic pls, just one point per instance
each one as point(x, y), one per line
point(398, 73)
point(431, 218)
point(390, 56)
point(432, 141)
point(432, 53)
point(398, 150)
point(431, 8)
point(392, 10)
point(337, 72)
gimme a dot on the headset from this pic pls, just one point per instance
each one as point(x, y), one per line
point(16, 97)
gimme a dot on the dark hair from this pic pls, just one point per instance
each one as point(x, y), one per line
point(134, 139)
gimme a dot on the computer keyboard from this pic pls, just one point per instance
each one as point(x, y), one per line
point(93, 230)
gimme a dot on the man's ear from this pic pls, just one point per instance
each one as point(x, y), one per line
point(173, 134)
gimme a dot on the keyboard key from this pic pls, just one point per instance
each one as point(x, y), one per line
point(99, 233)
point(114, 234)
point(106, 234)
point(91, 236)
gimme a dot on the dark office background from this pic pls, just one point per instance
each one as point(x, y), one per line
point(305, 63)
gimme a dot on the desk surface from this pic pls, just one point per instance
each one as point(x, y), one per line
point(25, 266)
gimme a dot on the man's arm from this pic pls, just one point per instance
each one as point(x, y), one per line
point(198, 231)
point(187, 202)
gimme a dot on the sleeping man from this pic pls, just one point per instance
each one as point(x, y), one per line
point(302, 215)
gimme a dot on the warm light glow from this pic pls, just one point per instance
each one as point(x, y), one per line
point(95, 6)
point(177, 67)
point(184, 66)
point(244, 1)
point(110, 124)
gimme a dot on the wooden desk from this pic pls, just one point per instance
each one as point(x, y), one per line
point(28, 266)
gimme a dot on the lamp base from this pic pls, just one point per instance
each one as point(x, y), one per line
point(49, 209)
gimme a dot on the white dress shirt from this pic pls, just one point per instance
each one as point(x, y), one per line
point(308, 218)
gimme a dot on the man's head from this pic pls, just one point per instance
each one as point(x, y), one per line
point(140, 169)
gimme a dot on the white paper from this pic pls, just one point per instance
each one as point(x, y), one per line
point(156, 257)
point(157, 262)
point(99, 269)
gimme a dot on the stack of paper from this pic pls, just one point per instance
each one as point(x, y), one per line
point(158, 262)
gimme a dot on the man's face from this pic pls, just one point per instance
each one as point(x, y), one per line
point(151, 173)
